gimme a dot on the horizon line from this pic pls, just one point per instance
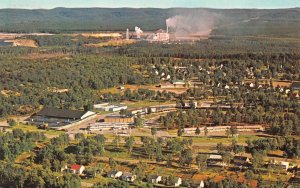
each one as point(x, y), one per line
point(240, 8)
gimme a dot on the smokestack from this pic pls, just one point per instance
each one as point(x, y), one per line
point(127, 34)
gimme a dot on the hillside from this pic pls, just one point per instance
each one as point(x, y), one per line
point(226, 22)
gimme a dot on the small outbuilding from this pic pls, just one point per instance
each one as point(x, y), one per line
point(127, 176)
point(241, 160)
point(114, 174)
point(155, 179)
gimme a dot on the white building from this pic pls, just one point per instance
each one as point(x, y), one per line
point(110, 107)
point(154, 179)
point(114, 174)
point(101, 126)
point(178, 182)
point(127, 176)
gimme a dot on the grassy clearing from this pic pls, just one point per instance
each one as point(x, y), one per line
point(141, 104)
point(214, 140)
point(23, 157)
point(112, 90)
point(32, 128)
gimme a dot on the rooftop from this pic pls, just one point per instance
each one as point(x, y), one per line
point(61, 113)
point(127, 174)
point(75, 167)
point(242, 158)
point(295, 85)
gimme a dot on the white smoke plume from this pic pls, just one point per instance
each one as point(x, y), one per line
point(192, 23)
point(138, 32)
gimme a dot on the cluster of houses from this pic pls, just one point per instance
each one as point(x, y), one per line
point(181, 84)
point(217, 160)
point(130, 177)
point(240, 128)
point(213, 160)
point(245, 162)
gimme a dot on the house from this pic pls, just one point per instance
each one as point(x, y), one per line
point(201, 185)
point(154, 179)
point(178, 83)
point(121, 87)
point(280, 165)
point(55, 117)
point(216, 160)
point(294, 181)
point(114, 174)
point(127, 176)
point(241, 160)
point(63, 168)
point(140, 111)
point(177, 182)
point(295, 86)
point(196, 84)
point(77, 169)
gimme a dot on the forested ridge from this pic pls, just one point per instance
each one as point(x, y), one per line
point(285, 22)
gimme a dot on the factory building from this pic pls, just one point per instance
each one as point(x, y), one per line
point(54, 117)
point(161, 36)
point(118, 119)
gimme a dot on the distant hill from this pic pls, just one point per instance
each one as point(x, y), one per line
point(227, 22)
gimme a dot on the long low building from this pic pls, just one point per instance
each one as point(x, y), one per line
point(118, 119)
point(110, 107)
point(101, 126)
point(54, 117)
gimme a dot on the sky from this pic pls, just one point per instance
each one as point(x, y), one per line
point(49, 4)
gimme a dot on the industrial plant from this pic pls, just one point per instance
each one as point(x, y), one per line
point(164, 36)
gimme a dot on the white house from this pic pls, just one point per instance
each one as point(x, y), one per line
point(114, 174)
point(77, 169)
point(201, 185)
point(154, 179)
point(216, 160)
point(127, 176)
point(281, 164)
point(178, 182)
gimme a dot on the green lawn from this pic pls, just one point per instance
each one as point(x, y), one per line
point(33, 128)
point(140, 104)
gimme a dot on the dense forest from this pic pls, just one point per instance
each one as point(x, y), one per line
point(27, 83)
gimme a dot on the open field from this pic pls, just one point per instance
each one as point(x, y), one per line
point(114, 43)
point(33, 128)
point(98, 35)
point(23, 42)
